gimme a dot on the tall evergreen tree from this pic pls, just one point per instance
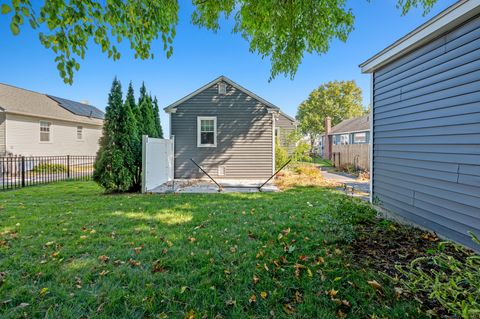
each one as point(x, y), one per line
point(138, 109)
point(158, 123)
point(147, 115)
point(111, 169)
point(130, 145)
point(130, 98)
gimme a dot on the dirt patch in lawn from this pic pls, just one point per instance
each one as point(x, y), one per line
point(384, 245)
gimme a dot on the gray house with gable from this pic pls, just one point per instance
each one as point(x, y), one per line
point(228, 130)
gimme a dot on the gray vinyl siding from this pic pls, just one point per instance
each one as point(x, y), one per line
point(2, 133)
point(244, 136)
point(427, 134)
point(285, 128)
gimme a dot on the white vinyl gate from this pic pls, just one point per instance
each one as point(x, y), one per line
point(157, 162)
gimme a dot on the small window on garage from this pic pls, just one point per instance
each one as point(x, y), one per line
point(222, 88)
point(79, 133)
point(206, 131)
point(45, 131)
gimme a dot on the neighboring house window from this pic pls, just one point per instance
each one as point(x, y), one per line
point(80, 133)
point(360, 138)
point(206, 131)
point(45, 131)
point(344, 139)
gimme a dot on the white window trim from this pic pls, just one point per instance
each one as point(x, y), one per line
point(199, 121)
point(50, 138)
point(83, 133)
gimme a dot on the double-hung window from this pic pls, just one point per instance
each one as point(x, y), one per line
point(45, 131)
point(79, 133)
point(206, 131)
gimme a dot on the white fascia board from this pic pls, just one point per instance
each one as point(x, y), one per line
point(171, 107)
point(433, 28)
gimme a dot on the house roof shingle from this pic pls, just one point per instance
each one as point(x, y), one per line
point(356, 124)
point(24, 102)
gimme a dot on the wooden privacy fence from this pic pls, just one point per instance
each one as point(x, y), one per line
point(21, 171)
point(357, 155)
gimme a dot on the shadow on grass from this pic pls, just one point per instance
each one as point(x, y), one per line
point(69, 251)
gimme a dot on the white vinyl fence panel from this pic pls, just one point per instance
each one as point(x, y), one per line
point(157, 162)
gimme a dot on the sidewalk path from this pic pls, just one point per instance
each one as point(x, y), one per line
point(352, 186)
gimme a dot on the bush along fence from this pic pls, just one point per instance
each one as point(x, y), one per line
point(22, 171)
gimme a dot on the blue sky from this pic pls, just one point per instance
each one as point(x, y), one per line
point(200, 56)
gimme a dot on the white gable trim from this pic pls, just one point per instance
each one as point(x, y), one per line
point(171, 107)
point(433, 28)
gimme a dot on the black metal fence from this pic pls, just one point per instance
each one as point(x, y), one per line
point(22, 171)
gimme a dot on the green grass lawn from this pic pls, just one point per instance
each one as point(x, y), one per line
point(68, 251)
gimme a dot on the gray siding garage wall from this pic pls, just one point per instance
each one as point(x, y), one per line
point(285, 127)
point(427, 134)
point(244, 136)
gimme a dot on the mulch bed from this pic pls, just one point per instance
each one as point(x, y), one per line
point(383, 246)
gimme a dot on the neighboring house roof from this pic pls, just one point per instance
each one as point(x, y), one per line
point(25, 102)
point(294, 121)
point(78, 108)
point(443, 22)
point(357, 124)
point(222, 78)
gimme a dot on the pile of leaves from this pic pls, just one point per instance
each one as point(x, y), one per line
point(443, 277)
point(301, 175)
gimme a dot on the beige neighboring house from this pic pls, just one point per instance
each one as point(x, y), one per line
point(36, 124)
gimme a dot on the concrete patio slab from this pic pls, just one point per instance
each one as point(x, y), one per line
point(207, 186)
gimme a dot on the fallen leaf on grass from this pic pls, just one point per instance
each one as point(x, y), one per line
point(190, 314)
point(118, 262)
point(4, 302)
point(103, 273)
point(192, 239)
point(23, 305)
point(341, 315)
point(263, 294)
point(231, 302)
point(255, 279)
point(103, 258)
point(398, 292)
point(133, 262)
point(138, 249)
point(183, 289)
point(332, 293)
point(288, 308)
point(430, 237)
point(157, 266)
point(253, 299)
point(298, 297)
point(78, 282)
point(374, 284)
point(43, 292)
